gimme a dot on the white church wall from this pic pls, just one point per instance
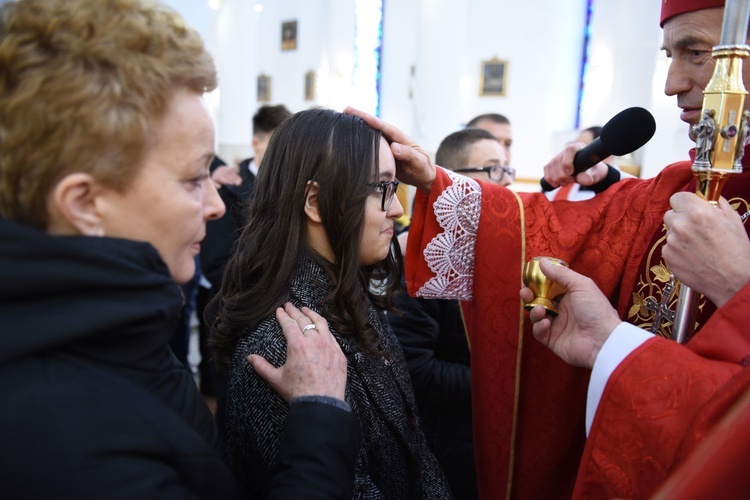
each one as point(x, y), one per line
point(430, 68)
point(628, 69)
point(452, 39)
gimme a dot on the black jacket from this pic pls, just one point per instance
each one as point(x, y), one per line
point(93, 402)
point(394, 461)
point(436, 349)
point(222, 234)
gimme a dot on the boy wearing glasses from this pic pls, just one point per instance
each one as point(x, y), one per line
point(476, 153)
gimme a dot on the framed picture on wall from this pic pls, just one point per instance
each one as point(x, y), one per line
point(494, 77)
point(289, 35)
point(310, 86)
point(264, 88)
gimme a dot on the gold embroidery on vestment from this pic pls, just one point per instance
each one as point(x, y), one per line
point(650, 288)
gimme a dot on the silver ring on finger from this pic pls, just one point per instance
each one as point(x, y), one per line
point(311, 326)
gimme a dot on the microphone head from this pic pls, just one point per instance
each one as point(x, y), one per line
point(627, 131)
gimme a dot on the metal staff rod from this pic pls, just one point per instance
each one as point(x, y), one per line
point(720, 135)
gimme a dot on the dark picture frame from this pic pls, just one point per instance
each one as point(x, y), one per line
point(289, 35)
point(494, 77)
point(264, 88)
point(310, 86)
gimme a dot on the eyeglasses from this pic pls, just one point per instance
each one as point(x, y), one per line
point(495, 172)
point(388, 188)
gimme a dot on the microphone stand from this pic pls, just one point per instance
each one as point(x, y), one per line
point(720, 135)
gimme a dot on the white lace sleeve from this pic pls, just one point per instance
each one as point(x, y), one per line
point(450, 254)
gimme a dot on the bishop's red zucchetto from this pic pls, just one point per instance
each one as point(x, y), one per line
point(671, 8)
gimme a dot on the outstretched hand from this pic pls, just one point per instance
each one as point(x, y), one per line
point(585, 319)
point(413, 165)
point(559, 171)
point(315, 364)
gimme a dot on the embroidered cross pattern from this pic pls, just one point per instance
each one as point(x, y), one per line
point(661, 309)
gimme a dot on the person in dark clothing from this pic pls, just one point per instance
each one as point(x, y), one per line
point(95, 405)
point(236, 191)
point(320, 234)
point(433, 335)
point(104, 196)
point(180, 340)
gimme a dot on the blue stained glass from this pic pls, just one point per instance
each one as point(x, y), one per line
point(584, 60)
point(368, 45)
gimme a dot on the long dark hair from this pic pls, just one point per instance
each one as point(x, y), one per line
point(340, 153)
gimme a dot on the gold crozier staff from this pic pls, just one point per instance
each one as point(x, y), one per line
point(720, 135)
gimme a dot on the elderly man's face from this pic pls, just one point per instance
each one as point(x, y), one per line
point(688, 41)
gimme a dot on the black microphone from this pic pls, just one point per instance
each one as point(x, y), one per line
point(627, 131)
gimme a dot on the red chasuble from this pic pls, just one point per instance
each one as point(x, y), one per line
point(654, 412)
point(469, 241)
point(717, 468)
point(653, 277)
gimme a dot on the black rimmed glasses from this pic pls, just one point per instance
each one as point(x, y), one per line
point(495, 172)
point(388, 188)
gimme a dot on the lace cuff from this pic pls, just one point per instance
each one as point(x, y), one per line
point(450, 254)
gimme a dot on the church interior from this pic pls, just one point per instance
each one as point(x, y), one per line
point(429, 66)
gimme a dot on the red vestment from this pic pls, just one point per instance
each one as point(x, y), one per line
point(470, 244)
point(717, 468)
point(661, 401)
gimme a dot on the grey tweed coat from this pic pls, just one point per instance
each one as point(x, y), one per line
point(394, 461)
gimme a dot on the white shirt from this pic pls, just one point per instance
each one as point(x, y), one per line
point(253, 168)
point(624, 339)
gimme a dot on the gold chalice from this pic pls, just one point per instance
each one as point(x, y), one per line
point(545, 290)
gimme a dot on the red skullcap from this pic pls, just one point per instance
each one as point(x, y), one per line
point(671, 8)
